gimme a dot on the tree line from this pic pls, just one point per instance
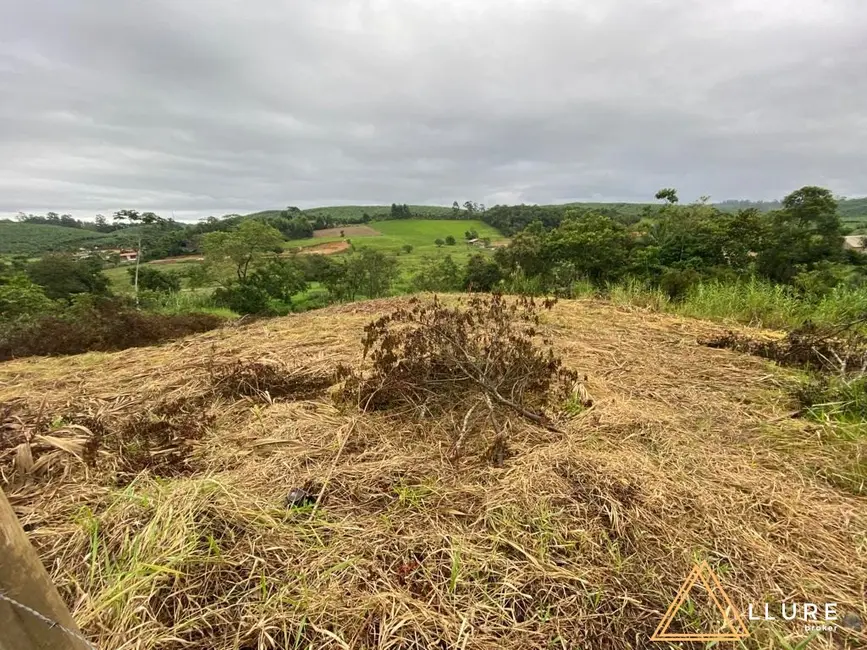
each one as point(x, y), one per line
point(672, 246)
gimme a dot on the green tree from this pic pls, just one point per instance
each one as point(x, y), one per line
point(280, 279)
point(439, 242)
point(62, 276)
point(244, 298)
point(297, 227)
point(243, 248)
point(198, 275)
point(152, 279)
point(21, 297)
point(407, 248)
point(400, 211)
point(524, 252)
point(596, 245)
point(481, 273)
point(450, 241)
point(806, 231)
point(667, 194)
point(374, 270)
point(438, 275)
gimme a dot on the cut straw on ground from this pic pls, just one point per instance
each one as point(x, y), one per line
point(580, 539)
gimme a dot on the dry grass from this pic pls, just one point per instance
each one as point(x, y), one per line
point(580, 540)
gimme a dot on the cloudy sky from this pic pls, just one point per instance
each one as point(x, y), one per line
point(217, 106)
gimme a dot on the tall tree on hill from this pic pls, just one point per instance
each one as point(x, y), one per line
point(596, 244)
point(241, 249)
point(806, 231)
point(400, 211)
point(134, 217)
point(668, 194)
point(62, 276)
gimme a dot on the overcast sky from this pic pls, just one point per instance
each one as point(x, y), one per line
point(219, 106)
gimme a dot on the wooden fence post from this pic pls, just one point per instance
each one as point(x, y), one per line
point(24, 580)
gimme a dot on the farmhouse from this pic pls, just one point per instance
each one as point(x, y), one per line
point(855, 243)
point(126, 255)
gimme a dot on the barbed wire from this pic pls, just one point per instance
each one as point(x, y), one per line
point(46, 620)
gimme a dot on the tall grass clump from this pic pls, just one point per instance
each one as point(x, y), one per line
point(639, 294)
point(842, 303)
point(184, 302)
point(519, 283)
point(582, 288)
point(756, 302)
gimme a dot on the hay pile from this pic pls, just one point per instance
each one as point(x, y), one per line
point(579, 540)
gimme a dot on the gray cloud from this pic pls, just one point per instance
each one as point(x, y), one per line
point(209, 107)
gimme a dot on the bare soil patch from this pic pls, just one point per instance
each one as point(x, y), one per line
point(179, 258)
point(329, 248)
point(348, 231)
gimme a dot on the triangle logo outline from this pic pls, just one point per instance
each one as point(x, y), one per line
point(733, 625)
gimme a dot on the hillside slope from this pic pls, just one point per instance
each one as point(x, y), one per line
point(35, 239)
point(580, 539)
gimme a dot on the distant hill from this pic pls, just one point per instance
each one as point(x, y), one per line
point(351, 213)
point(35, 239)
point(850, 210)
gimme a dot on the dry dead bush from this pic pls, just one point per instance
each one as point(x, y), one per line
point(160, 439)
point(269, 379)
point(471, 367)
point(838, 348)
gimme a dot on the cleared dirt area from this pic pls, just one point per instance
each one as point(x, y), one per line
point(348, 231)
point(580, 538)
point(329, 248)
point(180, 258)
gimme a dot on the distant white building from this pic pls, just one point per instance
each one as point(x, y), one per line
point(855, 243)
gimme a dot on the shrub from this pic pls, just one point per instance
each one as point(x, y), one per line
point(244, 298)
point(97, 324)
point(63, 276)
point(835, 397)
point(468, 364)
point(676, 282)
point(152, 279)
point(19, 297)
point(450, 241)
point(482, 273)
point(438, 275)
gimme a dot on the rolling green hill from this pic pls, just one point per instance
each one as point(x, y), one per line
point(35, 239)
point(421, 234)
point(353, 213)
